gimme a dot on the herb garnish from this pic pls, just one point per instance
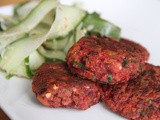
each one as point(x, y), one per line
point(109, 78)
point(79, 64)
point(143, 72)
point(152, 72)
point(87, 58)
point(133, 61)
point(124, 62)
point(140, 67)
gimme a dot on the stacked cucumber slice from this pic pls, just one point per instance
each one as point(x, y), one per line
point(45, 32)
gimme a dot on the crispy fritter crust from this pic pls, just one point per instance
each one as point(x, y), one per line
point(136, 99)
point(55, 87)
point(106, 60)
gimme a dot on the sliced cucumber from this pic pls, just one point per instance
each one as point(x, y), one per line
point(28, 70)
point(80, 31)
point(15, 53)
point(21, 70)
point(23, 9)
point(6, 22)
point(50, 44)
point(40, 29)
point(35, 60)
point(49, 18)
point(52, 54)
point(2, 26)
point(66, 20)
point(32, 20)
point(56, 44)
point(35, 16)
point(70, 43)
point(18, 51)
point(96, 25)
point(6, 39)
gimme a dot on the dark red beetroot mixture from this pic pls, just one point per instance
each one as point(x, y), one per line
point(136, 99)
point(54, 86)
point(105, 60)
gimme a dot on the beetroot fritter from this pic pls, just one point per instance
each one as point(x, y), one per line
point(55, 87)
point(136, 99)
point(106, 60)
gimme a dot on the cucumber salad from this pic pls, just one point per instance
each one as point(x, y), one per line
point(43, 31)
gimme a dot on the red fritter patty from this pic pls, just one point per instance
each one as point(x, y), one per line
point(136, 99)
point(55, 87)
point(106, 60)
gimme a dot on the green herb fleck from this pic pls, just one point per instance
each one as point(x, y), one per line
point(87, 58)
point(152, 72)
point(140, 67)
point(124, 62)
point(73, 74)
point(143, 72)
point(79, 64)
point(109, 78)
point(150, 102)
point(133, 61)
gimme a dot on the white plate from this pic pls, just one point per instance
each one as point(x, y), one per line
point(139, 20)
